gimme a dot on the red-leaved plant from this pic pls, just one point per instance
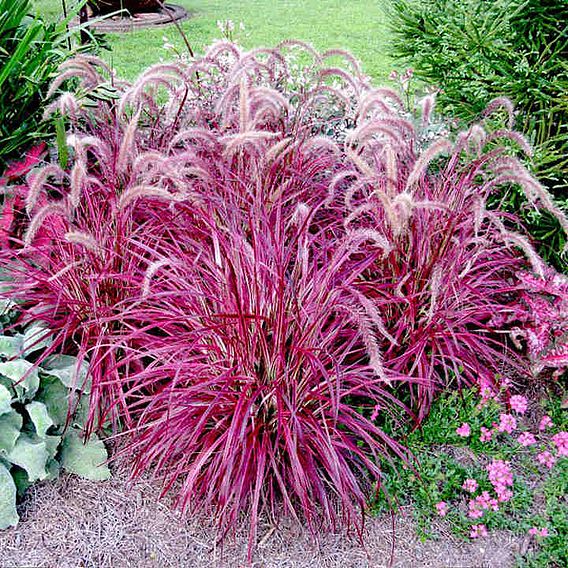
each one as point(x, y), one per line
point(259, 267)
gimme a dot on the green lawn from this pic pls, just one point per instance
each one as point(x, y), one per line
point(358, 25)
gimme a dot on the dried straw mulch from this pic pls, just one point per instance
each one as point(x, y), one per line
point(74, 523)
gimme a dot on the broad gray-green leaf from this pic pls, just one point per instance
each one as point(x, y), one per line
point(16, 371)
point(52, 444)
point(8, 514)
point(40, 417)
point(6, 305)
point(10, 428)
point(64, 367)
point(5, 400)
point(53, 469)
point(36, 336)
point(11, 346)
point(21, 480)
point(30, 454)
point(55, 395)
point(86, 460)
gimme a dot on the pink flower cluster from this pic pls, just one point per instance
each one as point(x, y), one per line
point(560, 440)
point(486, 392)
point(535, 531)
point(519, 403)
point(482, 503)
point(470, 485)
point(545, 422)
point(546, 459)
point(486, 434)
point(464, 430)
point(526, 439)
point(442, 508)
point(507, 423)
point(501, 477)
point(478, 531)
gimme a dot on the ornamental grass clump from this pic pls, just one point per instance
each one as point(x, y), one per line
point(260, 267)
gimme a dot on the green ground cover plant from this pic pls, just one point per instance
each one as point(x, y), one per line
point(452, 481)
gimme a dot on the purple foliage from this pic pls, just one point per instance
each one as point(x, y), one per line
point(255, 263)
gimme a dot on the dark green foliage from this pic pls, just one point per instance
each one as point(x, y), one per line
point(476, 50)
point(30, 52)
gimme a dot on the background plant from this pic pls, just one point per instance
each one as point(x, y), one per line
point(477, 50)
point(31, 51)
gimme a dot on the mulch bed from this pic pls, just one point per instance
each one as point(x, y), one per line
point(71, 523)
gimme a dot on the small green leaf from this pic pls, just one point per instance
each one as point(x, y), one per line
point(40, 417)
point(16, 371)
point(5, 400)
point(10, 428)
point(11, 346)
point(84, 459)
point(8, 514)
point(65, 368)
point(30, 454)
point(36, 336)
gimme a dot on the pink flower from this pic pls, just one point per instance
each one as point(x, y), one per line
point(507, 423)
point(526, 439)
point(503, 494)
point(518, 403)
point(478, 531)
point(561, 442)
point(470, 485)
point(475, 512)
point(546, 459)
point(545, 422)
point(442, 508)
point(542, 532)
point(486, 434)
point(464, 430)
point(486, 391)
point(500, 474)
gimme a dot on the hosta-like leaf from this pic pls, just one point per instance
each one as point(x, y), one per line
point(10, 428)
point(30, 454)
point(5, 400)
point(40, 417)
point(6, 305)
point(21, 480)
point(36, 336)
point(53, 469)
point(11, 346)
point(8, 514)
point(55, 395)
point(84, 459)
point(52, 445)
point(23, 375)
point(64, 367)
